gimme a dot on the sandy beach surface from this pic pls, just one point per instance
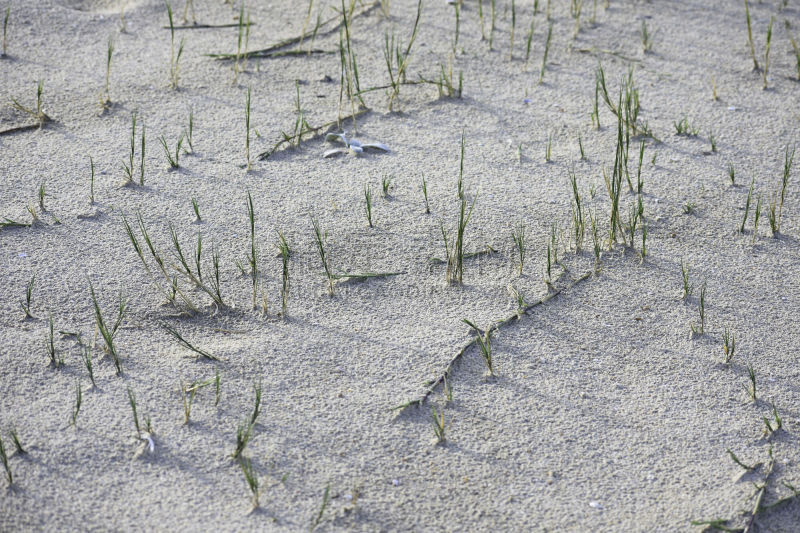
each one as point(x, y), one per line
point(611, 404)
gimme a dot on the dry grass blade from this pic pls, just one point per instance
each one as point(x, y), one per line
point(445, 375)
point(186, 344)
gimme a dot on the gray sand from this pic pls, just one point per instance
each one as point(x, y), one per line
point(606, 413)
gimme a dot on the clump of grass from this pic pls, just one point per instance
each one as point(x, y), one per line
point(684, 127)
point(251, 477)
point(189, 130)
point(595, 241)
point(728, 345)
point(189, 5)
point(700, 329)
point(386, 185)
point(349, 82)
point(756, 217)
point(644, 238)
point(766, 54)
point(774, 426)
point(326, 498)
point(740, 463)
point(175, 58)
point(751, 389)
point(732, 173)
point(519, 236)
point(41, 195)
point(492, 22)
point(578, 222)
point(283, 249)
point(17, 443)
point(750, 36)
point(242, 41)
point(132, 402)
point(245, 430)
point(548, 147)
point(128, 167)
point(36, 112)
point(444, 83)
point(788, 159)
point(320, 238)
point(55, 361)
point(105, 100)
point(439, 427)
point(86, 355)
point(457, 6)
point(747, 205)
point(26, 305)
point(173, 160)
point(712, 141)
point(253, 254)
point(425, 195)
point(484, 341)
point(243, 433)
point(647, 38)
point(454, 249)
point(772, 215)
point(214, 282)
point(529, 38)
point(196, 210)
point(796, 50)
point(78, 401)
point(576, 6)
point(546, 52)
point(368, 205)
point(714, 95)
point(106, 332)
point(190, 391)
point(256, 403)
point(397, 59)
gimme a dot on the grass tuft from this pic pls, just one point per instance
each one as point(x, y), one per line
point(439, 427)
point(519, 236)
point(326, 498)
point(320, 238)
point(728, 345)
point(251, 477)
point(132, 402)
point(26, 305)
point(106, 332)
point(484, 341)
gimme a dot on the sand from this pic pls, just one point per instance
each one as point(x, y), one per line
point(606, 413)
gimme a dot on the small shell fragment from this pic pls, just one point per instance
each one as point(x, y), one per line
point(379, 146)
point(334, 151)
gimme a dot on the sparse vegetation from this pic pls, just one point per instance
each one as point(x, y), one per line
point(26, 305)
point(392, 324)
point(728, 345)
